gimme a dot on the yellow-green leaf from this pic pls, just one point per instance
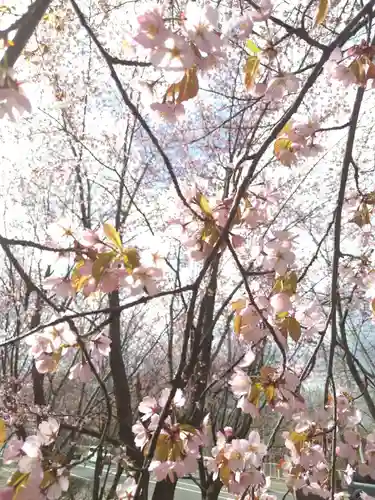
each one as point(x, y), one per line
point(373, 306)
point(48, 478)
point(251, 71)
point(250, 45)
point(254, 395)
point(187, 428)
point(294, 328)
point(369, 198)
point(3, 431)
point(280, 145)
point(18, 480)
point(131, 258)
point(237, 324)
point(162, 448)
point(270, 393)
point(286, 129)
point(112, 234)
point(298, 437)
point(286, 284)
point(322, 11)
point(225, 474)
point(358, 70)
point(186, 89)
point(362, 216)
point(204, 204)
point(238, 305)
point(101, 264)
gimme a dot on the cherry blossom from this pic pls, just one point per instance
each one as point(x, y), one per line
point(263, 12)
point(152, 31)
point(127, 489)
point(168, 111)
point(13, 101)
point(174, 55)
point(201, 27)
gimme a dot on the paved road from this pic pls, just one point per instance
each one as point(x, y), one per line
point(186, 489)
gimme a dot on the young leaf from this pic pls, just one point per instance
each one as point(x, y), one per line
point(361, 216)
point(186, 89)
point(322, 12)
point(204, 205)
point(131, 259)
point(18, 480)
point(281, 144)
point(294, 329)
point(358, 70)
point(101, 264)
point(3, 431)
point(237, 324)
point(369, 198)
point(238, 305)
point(250, 45)
point(112, 234)
point(251, 71)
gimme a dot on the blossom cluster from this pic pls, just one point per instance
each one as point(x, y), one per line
point(359, 71)
point(39, 474)
point(189, 43)
point(297, 140)
point(13, 100)
point(50, 345)
point(101, 263)
point(177, 447)
point(306, 467)
point(238, 462)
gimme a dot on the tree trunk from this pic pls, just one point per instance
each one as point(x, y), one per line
point(164, 490)
point(213, 490)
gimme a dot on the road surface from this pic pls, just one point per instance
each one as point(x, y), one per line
point(186, 489)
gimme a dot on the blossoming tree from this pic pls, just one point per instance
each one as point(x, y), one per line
point(189, 246)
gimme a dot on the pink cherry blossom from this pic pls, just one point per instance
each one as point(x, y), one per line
point(263, 12)
point(281, 85)
point(168, 111)
point(174, 56)
point(61, 286)
point(12, 451)
point(126, 490)
point(148, 406)
point(140, 434)
point(200, 25)
point(82, 372)
point(48, 431)
point(6, 493)
point(152, 31)
point(241, 27)
point(280, 302)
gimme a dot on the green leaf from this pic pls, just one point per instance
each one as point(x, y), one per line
point(3, 431)
point(250, 45)
point(101, 264)
point(251, 71)
point(369, 198)
point(204, 205)
point(131, 258)
point(294, 328)
point(18, 480)
point(112, 234)
point(322, 11)
point(188, 428)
